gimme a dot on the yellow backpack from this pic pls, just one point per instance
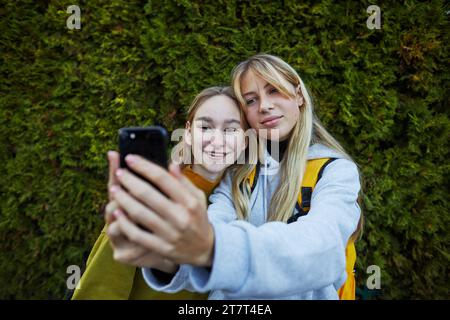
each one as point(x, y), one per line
point(313, 172)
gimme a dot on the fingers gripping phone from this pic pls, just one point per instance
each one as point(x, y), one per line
point(148, 142)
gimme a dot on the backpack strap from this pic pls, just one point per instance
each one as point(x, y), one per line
point(313, 173)
point(253, 177)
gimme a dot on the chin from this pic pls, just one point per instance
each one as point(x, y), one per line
point(215, 167)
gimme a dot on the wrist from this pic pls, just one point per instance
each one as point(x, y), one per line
point(168, 267)
point(209, 251)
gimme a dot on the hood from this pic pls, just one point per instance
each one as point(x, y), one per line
point(318, 151)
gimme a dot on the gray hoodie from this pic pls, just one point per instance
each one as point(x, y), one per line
point(275, 260)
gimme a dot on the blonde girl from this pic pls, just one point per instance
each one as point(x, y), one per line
point(213, 121)
point(243, 247)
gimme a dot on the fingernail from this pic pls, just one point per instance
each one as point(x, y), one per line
point(175, 170)
point(117, 213)
point(119, 172)
point(114, 189)
point(131, 159)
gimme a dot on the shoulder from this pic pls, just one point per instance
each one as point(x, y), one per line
point(339, 168)
point(340, 174)
point(342, 166)
point(318, 150)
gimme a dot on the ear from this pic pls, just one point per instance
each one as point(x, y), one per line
point(187, 134)
point(299, 96)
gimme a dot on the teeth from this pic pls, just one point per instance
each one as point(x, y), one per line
point(216, 154)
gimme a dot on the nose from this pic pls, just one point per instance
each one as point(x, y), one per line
point(217, 139)
point(265, 104)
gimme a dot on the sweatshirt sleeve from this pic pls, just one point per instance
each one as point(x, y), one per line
point(279, 259)
point(178, 282)
point(222, 210)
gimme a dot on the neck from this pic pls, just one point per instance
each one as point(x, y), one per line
point(208, 175)
point(277, 149)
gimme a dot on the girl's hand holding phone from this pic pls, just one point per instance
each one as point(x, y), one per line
point(126, 251)
point(180, 230)
point(129, 252)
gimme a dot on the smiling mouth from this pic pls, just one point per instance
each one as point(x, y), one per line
point(217, 155)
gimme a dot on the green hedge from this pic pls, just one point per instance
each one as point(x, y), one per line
point(64, 93)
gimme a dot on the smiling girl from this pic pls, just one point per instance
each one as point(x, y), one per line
point(212, 141)
point(257, 240)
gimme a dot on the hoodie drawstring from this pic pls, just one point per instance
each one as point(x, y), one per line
point(265, 190)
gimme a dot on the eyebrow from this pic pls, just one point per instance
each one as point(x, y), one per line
point(252, 92)
point(228, 121)
point(206, 119)
point(210, 120)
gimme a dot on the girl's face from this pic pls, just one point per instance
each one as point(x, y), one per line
point(267, 108)
point(215, 135)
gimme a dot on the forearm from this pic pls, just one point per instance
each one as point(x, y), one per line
point(296, 264)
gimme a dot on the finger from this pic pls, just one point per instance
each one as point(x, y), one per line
point(115, 235)
point(160, 178)
point(175, 170)
point(129, 253)
point(144, 191)
point(113, 161)
point(109, 209)
point(144, 238)
point(143, 215)
point(194, 192)
point(124, 250)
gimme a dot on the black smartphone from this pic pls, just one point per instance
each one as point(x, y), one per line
point(149, 142)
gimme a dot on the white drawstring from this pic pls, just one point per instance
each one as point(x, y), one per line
point(265, 190)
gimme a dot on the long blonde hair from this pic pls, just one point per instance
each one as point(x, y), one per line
point(307, 131)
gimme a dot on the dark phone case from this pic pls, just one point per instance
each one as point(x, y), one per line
point(149, 142)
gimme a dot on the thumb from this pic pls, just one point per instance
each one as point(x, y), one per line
point(175, 170)
point(113, 162)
